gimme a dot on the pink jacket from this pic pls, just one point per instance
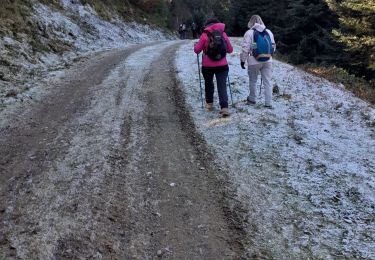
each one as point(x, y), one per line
point(202, 45)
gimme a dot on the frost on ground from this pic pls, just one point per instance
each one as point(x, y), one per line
point(70, 33)
point(70, 204)
point(305, 170)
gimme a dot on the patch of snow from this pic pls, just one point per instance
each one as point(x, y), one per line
point(8, 41)
point(305, 170)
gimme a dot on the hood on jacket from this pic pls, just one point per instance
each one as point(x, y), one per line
point(211, 21)
point(216, 26)
point(259, 27)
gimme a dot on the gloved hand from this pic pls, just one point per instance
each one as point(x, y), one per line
point(243, 65)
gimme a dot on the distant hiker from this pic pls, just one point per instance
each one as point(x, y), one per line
point(180, 31)
point(257, 48)
point(215, 43)
point(184, 30)
point(194, 30)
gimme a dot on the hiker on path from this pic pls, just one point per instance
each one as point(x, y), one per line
point(180, 31)
point(184, 30)
point(214, 62)
point(257, 48)
point(194, 30)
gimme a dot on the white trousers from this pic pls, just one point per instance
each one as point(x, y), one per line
point(265, 70)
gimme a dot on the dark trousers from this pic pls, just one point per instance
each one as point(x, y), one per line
point(221, 74)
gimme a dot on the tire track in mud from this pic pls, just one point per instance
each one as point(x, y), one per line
point(191, 215)
point(32, 131)
point(35, 175)
point(121, 174)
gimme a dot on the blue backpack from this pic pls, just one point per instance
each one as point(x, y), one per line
point(262, 46)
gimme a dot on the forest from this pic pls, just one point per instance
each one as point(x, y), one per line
point(337, 33)
point(325, 33)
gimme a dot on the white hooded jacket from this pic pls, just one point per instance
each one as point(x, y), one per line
point(247, 43)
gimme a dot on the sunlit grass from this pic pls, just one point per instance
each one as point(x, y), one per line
point(360, 87)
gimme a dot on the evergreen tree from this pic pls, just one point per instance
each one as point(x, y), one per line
point(180, 12)
point(357, 33)
point(220, 9)
point(272, 13)
point(199, 17)
point(239, 15)
point(306, 36)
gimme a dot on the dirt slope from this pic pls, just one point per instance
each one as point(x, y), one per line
point(110, 166)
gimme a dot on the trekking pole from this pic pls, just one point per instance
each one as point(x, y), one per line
point(230, 90)
point(260, 87)
point(200, 81)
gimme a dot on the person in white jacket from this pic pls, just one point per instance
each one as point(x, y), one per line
point(255, 66)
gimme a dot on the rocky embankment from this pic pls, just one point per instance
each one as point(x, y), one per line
point(39, 41)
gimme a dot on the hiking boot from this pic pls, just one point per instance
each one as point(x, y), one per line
point(250, 101)
point(210, 106)
point(224, 112)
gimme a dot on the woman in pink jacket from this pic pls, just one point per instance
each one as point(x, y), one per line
point(214, 66)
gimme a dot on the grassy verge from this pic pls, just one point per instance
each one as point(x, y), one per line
point(128, 12)
point(360, 87)
point(100, 8)
point(14, 15)
point(55, 3)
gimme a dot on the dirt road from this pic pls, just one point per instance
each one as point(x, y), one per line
point(110, 166)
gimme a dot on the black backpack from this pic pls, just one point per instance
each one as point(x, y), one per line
point(217, 47)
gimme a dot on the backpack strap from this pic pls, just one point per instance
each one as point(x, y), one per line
point(208, 33)
point(255, 34)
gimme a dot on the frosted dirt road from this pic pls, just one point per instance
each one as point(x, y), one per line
point(110, 166)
